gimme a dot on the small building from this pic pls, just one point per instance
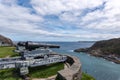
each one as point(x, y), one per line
point(4, 44)
point(0, 43)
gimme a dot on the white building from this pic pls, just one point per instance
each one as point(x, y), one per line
point(0, 43)
point(4, 44)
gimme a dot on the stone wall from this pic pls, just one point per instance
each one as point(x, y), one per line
point(73, 72)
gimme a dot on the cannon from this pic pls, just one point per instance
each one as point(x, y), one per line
point(32, 54)
point(29, 45)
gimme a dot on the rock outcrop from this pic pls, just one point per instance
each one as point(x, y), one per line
point(4, 41)
point(108, 49)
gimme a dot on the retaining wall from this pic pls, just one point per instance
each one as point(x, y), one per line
point(73, 72)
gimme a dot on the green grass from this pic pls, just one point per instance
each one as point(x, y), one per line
point(9, 74)
point(45, 71)
point(87, 77)
point(35, 72)
point(7, 52)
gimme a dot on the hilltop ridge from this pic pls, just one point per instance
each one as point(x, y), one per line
point(108, 49)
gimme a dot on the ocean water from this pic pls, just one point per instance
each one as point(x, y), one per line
point(99, 68)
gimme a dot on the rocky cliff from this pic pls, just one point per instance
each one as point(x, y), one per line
point(108, 49)
point(5, 40)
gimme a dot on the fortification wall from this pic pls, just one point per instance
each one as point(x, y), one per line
point(73, 72)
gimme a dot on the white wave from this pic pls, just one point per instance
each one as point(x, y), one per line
point(70, 50)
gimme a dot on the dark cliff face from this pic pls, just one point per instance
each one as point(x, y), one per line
point(104, 47)
point(6, 40)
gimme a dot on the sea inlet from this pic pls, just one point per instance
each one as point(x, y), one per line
point(99, 68)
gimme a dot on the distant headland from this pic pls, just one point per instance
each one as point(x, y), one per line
point(108, 49)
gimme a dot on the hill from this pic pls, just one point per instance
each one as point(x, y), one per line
point(4, 41)
point(108, 49)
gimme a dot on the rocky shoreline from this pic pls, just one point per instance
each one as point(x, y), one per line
point(107, 57)
point(107, 49)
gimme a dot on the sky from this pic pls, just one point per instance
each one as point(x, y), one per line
point(60, 20)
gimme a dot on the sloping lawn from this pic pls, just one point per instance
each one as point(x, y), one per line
point(45, 71)
point(7, 52)
point(9, 74)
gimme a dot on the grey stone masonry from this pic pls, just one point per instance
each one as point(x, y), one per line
point(73, 72)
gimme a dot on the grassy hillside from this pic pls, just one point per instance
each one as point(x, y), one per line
point(7, 52)
point(111, 46)
point(45, 71)
point(104, 47)
point(9, 74)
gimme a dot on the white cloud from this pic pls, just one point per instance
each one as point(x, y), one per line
point(17, 19)
point(56, 7)
point(105, 20)
point(73, 21)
